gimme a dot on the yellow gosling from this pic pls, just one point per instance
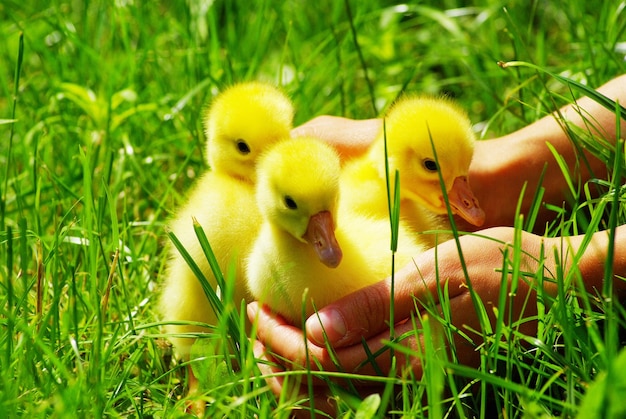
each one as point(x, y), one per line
point(308, 250)
point(241, 122)
point(410, 125)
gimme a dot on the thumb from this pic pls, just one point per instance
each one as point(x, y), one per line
point(364, 313)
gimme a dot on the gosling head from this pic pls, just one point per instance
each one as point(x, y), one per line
point(242, 121)
point(416, 125)
point(298, 191)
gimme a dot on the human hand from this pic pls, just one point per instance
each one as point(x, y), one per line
point(508, 169)
point(365, 314)
point(350, 137)
point(490, 170)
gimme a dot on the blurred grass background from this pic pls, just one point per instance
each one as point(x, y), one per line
point(101, 134)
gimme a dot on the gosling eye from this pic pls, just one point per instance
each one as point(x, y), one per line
point(290, 203)
point(430, 165)
point(242, 146)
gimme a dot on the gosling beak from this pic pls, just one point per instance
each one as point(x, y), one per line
point(320, 234)
point(464, 203)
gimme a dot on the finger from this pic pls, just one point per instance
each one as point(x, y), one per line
point(350, 137)
point(412, 331)
point(289, 347)
point(366, 312)
point(284, 339)
point(274, 376)
point(270, 369)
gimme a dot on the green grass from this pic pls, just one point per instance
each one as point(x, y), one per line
point(101, 135)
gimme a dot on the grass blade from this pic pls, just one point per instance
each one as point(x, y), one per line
point(9, 159)
point(581, 88)
point(477, 303)
point(359, 52)
point(210, 293)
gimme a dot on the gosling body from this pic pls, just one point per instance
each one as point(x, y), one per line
point(242, 121)
point(311, 250)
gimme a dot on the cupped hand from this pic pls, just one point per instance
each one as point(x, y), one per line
point(352, 138)
point(364, 314)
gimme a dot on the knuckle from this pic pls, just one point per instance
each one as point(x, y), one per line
point(369, 313)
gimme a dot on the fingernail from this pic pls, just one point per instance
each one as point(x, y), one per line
point(332, 323)
point(251, 310)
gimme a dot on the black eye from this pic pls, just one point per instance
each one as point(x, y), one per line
point(290, 203)
point(242, 146)
point(430, 165)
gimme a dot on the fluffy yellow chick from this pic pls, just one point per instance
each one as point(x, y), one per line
point(241, 122)
point(306, 246)
point(409, 126)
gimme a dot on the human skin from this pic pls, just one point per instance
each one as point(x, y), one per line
point(365, 314)
point(501, 166)
point(499, 171)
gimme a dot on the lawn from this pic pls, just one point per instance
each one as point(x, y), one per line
point(101, 135)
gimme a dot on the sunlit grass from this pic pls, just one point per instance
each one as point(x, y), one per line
point(100, 118)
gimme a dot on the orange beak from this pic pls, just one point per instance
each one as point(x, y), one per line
point(464, 203)
point(320, 234)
